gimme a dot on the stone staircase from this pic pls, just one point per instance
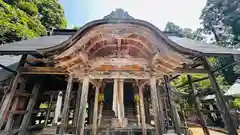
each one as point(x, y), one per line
point(108, 114)
point(49, 131)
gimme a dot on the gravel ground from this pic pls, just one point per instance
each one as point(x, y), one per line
point(198, 131)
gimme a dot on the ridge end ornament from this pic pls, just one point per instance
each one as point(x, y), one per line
point(118, 14)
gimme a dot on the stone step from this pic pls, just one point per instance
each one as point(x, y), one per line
point(111, 111)
point(113, 114)
point(49, 130)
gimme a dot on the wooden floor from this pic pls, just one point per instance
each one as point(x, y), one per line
point(198, 131)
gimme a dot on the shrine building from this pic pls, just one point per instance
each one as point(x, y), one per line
point(111, 76)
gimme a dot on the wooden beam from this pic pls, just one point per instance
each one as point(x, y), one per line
point(155, 105)
point(20, 64)
point(175, 77)
point(8, 69)
point(7, 100)
point(175, 119)
point(23, 94)
point(193, 81)
point(160, 107)
point(194, 66)
point(66, 106)
point(10, 117)
point(142, 111)
point(223, 108)
point(82, 108)
point(22, 61)
point(76, 110)
point(101, 103)
point(42, 70)
point(224, 67)
point(191, 70)
point(38, 60)
point(49, 109)
point(17, 112)
point(154, 58)
point(29, 109)
point(197, 106)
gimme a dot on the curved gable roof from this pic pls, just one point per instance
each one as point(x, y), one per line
point(49, 45)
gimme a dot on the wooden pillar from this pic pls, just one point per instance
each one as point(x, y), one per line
point(14, 107)
point(223, 108)
point(100, 113)
point(49, 109)
point(142, 111)
point(175, 119)
point(101, 100)
point(78, 100)
point(90, 109)
point(7, 100)
point(138, 111)
point(11, 115)
point(66, 106)
point(146, 104)
point(82, 108)
point(155, 105)
point(137, 104)
point(197, 105)
point(95, 111)
point(161, 111)
point(29, 110)
point(21, 63)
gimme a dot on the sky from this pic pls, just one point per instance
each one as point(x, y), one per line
point(184, 13)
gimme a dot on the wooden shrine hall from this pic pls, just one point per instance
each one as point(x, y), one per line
point(112, 76)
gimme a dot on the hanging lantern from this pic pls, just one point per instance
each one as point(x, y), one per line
point(136, 97)
point(101, 97)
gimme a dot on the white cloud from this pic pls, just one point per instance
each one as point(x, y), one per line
point(182, 12)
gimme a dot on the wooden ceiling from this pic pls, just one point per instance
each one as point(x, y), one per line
point(124, 50)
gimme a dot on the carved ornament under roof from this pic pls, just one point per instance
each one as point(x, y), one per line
point(123, 48)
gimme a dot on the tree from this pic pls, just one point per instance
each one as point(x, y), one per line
point(22, 19)
point(184, 32)
point(195, 35)
point(76, 27)
point(232, 17)
point(15, 24)
point(51, 14)
point(216, 20)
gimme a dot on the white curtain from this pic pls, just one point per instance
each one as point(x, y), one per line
point(115, 97)
point(118, 106)
point(58, 108)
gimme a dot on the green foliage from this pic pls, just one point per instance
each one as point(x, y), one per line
point(228, 73)
point(185, 32)
point(76, 27)
point(51, 14)
point(220, 19)
point(24, 19)
point(232, 16)
point(43, 106)
point(28, 7)
point(202, 85)
point(236, 102)
point(15, 24)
